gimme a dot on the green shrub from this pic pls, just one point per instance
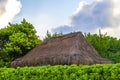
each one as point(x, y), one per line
point(16, 40)
point(107, 46)
point(63, 72)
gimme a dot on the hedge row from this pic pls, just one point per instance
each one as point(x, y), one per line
point(63, 72)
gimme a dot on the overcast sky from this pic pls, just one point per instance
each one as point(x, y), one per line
point(64, 15)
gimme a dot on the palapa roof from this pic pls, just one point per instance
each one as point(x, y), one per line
point(71, 48)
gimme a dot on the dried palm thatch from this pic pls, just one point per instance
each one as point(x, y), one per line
point(67, 49)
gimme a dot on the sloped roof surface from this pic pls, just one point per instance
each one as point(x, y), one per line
point(71, 48)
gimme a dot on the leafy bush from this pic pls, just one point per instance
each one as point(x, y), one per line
point(65, 72)
point(108, 47)
point(16, 40)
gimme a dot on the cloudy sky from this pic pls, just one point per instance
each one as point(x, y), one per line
point(64, 15)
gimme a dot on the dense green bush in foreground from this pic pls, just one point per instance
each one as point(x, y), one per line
point(59, 72)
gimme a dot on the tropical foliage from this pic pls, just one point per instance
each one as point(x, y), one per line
point(63, 72)
point(108, 47)
point(16, 40)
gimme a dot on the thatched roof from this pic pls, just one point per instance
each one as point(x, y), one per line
point(71, 48)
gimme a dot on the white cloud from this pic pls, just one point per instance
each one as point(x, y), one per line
point(99, 14)
point(102, 14)
point(8, 10)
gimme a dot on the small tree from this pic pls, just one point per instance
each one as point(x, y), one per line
point(108, 47)
point(49, 35)
point(16, 40)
